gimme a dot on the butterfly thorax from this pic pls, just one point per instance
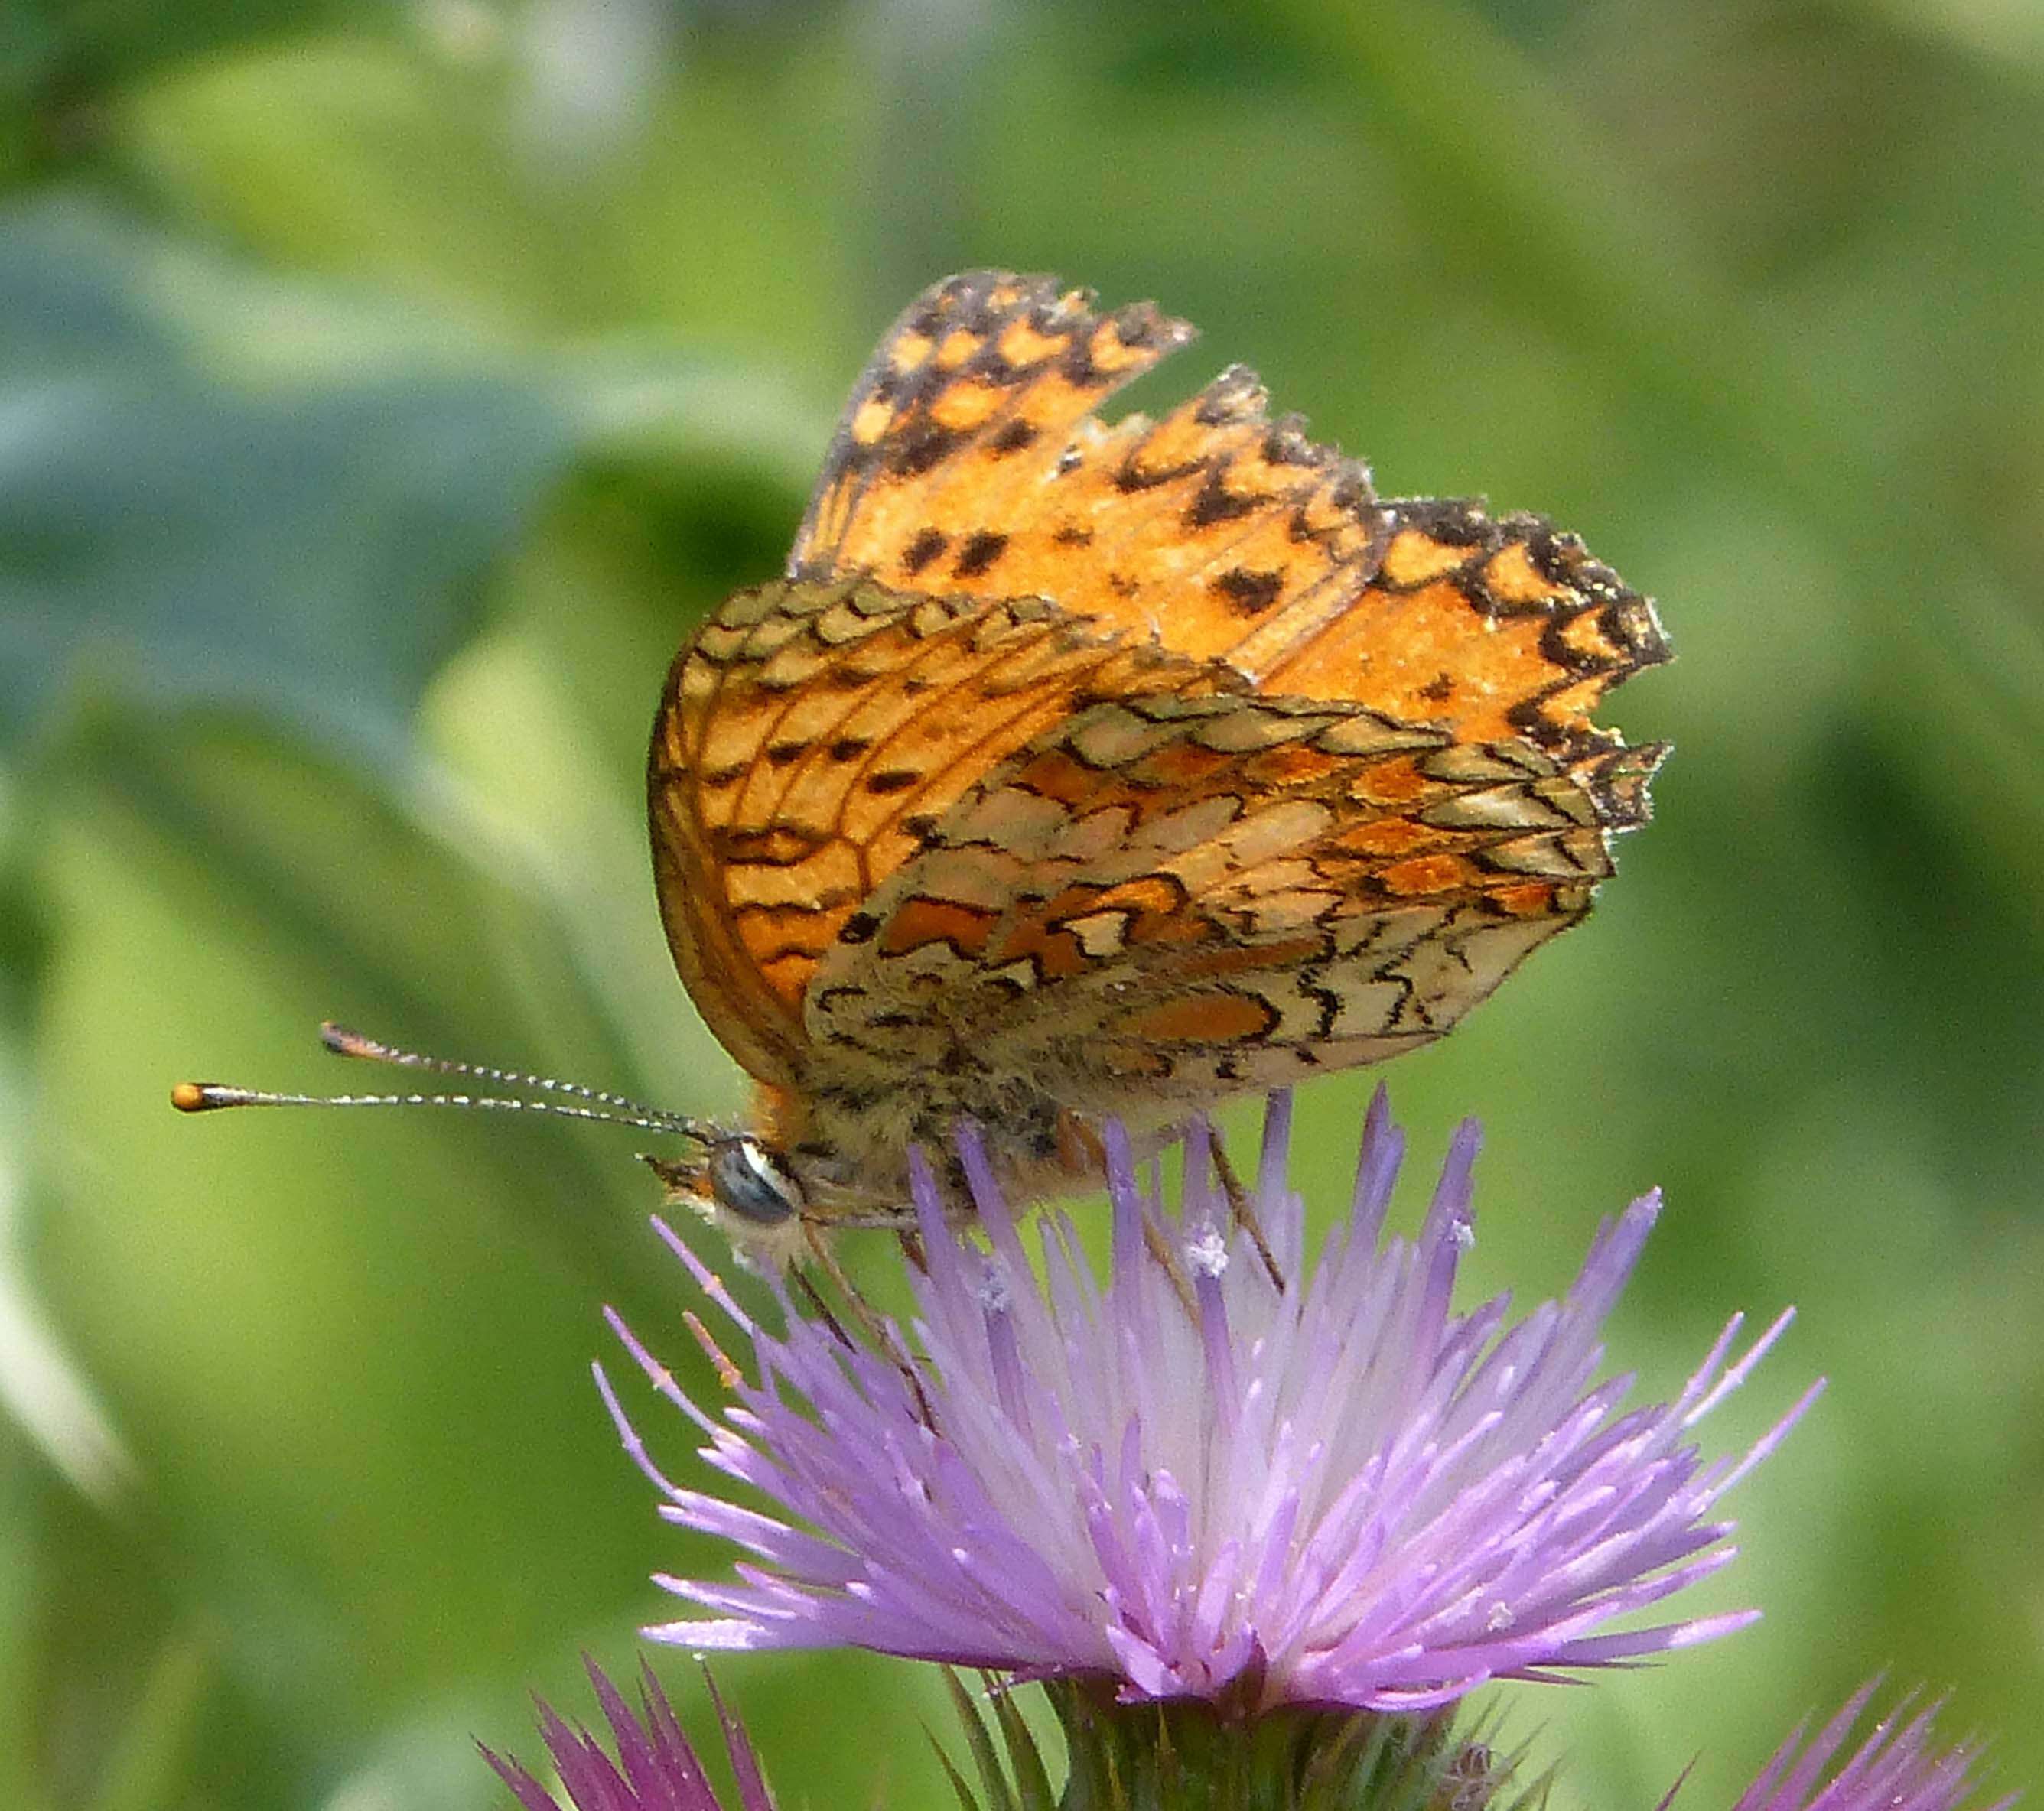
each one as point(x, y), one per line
point(849, 1148)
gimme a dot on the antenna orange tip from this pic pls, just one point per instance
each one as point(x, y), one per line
point(341, 1041)
point(191, 1096)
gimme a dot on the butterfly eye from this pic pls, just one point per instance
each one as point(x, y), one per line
point(747, 1179)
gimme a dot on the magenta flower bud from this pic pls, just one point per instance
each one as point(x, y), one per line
point(655, 1768)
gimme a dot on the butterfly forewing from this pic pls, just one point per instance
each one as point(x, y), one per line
point(967, 460)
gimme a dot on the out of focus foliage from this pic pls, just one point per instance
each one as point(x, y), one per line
point(385, 389)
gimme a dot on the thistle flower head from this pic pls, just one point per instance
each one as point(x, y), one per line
point(656, 1769)
point(1221, 1473)
point(1896, 1768)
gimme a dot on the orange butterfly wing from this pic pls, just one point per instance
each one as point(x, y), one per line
point(809, 738)
point(967, 461)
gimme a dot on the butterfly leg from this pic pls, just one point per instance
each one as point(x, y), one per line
point(1081, 1151)
point(1079, 1146)
point(912, 1254)
point(1166, 1256)
point(1244, 1210)
point(879, 1335)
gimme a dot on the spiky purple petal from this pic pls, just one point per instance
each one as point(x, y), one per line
point(1200, 1483)
point(1895, 1768)
point(655, 1768)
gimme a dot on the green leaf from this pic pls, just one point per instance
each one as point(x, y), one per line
point(1025, 1758)
point(177, 535)
point(998, 1794)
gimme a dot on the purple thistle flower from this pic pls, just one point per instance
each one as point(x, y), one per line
point(1195, 1484)
point(1895, 1769)
point(656, 1769)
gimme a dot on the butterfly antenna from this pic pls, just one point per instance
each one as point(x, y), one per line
point(596, 1105)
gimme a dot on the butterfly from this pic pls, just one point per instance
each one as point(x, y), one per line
point(1077, 769)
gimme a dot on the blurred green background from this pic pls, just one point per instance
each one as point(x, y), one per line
point(385, 391)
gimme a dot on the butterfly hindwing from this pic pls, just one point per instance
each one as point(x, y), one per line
point(1169, 895)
